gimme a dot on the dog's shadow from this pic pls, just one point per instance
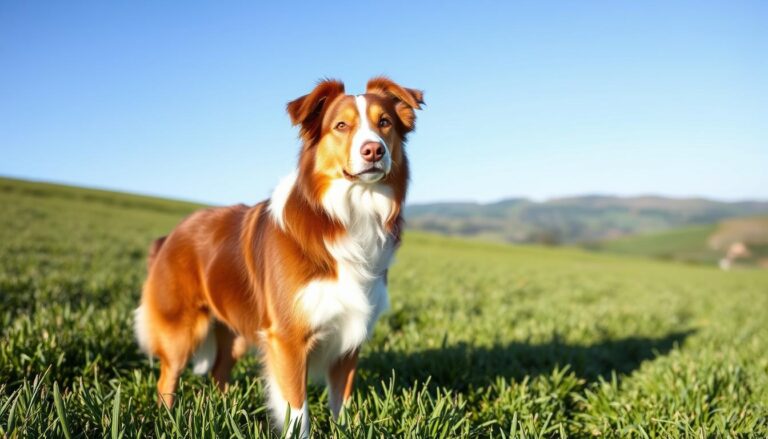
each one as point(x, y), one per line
point(461, 366)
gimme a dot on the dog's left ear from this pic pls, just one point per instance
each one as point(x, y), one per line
point(309, 109)
point(406, 99)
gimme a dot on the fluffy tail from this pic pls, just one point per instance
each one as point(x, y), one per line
point(204, 356)
point(141, 330)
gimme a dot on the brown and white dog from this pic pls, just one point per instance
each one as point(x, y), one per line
point(302, 275)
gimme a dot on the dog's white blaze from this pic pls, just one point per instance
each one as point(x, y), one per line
point(364, 134)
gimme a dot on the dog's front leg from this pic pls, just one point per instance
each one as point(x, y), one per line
point(286, 361)
point(341, 377)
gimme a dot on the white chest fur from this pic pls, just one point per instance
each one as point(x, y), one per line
point(342, 311)
point(342, 314)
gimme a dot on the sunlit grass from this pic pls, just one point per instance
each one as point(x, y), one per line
point(481, 339)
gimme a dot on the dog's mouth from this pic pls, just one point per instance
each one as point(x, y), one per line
point(371, 174)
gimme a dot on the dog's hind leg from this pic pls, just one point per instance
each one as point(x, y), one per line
point(169, 379)
point(229, 348)
point(176, 341)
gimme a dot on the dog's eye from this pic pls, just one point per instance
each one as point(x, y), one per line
point(341, 126)
point(384, 122)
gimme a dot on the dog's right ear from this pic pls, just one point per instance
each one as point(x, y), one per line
point(309, 109)
point(406, 99)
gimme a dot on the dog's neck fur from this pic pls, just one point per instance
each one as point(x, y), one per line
point(353, 222)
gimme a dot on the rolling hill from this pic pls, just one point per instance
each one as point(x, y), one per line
point(698, 244)
point(575, 219)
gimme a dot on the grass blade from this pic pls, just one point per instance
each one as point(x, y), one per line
point(11, 415)
point(59, 403)
point(116, 415)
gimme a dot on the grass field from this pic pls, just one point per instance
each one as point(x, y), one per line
point(482, 340)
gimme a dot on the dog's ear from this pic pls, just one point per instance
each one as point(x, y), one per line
point(309, 109)
point(406, 99)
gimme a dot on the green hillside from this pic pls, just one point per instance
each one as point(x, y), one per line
point(571, 220)
point(481, 340)
point(700, 244)
point(688, 244)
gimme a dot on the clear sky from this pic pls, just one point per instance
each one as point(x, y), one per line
point(537, 99)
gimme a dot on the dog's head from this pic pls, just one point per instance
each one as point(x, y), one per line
point(358, 138)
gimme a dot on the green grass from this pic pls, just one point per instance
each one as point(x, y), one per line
point(687, 244)
point(482, 339)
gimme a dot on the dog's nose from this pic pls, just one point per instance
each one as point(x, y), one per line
point(372, 151)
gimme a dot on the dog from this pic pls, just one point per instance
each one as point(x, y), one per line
point(302, 275)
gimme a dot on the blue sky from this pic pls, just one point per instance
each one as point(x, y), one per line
point(536, 99)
